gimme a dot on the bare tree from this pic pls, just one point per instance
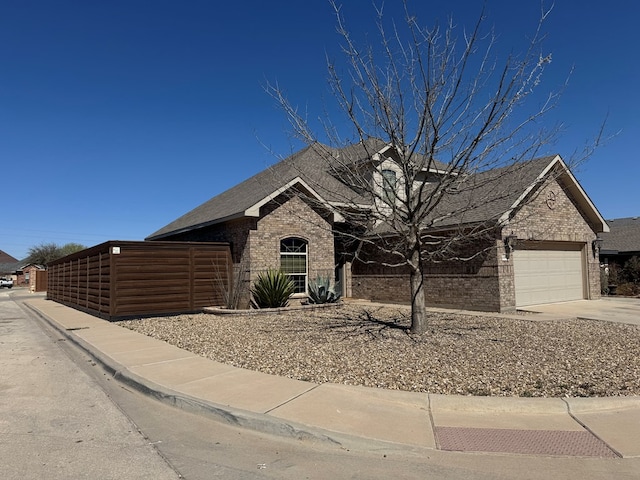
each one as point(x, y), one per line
point(451, 112)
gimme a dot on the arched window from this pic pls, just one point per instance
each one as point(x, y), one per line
point(293, 262)
point(389, 183)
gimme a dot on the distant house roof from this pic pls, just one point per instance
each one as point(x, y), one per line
point(6, 258)
point(8, 264)
point(623, 237)
point(506, 187)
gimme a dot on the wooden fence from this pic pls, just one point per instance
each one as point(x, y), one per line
point(39, 283)
point(125, 279)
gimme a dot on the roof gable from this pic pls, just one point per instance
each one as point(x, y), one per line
point(556, 168)
point(302, 168)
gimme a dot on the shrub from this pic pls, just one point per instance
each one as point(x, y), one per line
point(321, 291)
point(234, 290)
point(272, 289)
point(628, 289)
point(631, 270)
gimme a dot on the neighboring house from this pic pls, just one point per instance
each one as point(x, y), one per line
point(622, 241)
point(23, 274)
point(8, 266)
point(542, 246)
point(27, 275)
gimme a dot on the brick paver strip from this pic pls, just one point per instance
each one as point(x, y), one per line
point(530, 442)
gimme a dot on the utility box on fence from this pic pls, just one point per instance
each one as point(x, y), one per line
point(119, 279)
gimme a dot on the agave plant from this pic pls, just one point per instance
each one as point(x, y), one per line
point(272, 289)
point(321, 291)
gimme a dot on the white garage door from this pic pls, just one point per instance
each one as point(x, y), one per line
point(547, 276)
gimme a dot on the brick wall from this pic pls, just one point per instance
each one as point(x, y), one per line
point(292, 217)
point(471, 285)
point(487, 283)
point(255, 242)
point(552, 216)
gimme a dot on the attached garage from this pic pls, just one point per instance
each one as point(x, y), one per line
point(549, 274)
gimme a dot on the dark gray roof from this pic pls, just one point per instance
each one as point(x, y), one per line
point(488, 195)
point(624, 235)
point(482, 197)
point(234, 202)
point(306, 164)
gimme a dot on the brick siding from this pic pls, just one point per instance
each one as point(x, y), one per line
point(255, 242)
point(487, 283)
point(536, 222)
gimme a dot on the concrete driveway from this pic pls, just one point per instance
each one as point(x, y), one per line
point(610, 309)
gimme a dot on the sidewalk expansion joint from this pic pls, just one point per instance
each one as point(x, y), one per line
point(292, 399)
point(586, 427)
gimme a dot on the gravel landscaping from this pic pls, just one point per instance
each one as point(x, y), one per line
point(460, 354)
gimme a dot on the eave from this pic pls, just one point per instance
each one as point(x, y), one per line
point(573, 188)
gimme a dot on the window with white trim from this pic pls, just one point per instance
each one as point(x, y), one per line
point(389, 185)
point(293, 261)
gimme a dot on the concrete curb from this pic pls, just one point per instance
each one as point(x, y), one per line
point(351, 417)
point(262, 423)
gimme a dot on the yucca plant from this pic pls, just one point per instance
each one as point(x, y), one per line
point(321, 291)
point(271, 289)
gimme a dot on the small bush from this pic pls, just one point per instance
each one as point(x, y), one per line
point(628, 289)
point(272, 289)
point(321, 291)
point(631, 270)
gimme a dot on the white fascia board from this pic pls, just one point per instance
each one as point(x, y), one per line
point(254, 210)
point(573, 183)
point(439, 172)
point(503, 220)
point(576, 185)
point(385, 148)
point(362, 206)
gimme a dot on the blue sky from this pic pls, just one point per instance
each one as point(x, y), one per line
point(117, 117)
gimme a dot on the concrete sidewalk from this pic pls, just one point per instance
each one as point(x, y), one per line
point(348, 415)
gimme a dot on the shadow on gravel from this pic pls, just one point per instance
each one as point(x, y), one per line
point(367, 322)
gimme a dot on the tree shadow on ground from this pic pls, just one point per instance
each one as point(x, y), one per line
point(378, 323)
point(368, 322)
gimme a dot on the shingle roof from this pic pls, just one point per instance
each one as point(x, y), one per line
point(232, 203)
point(6, 258)
point(484, 196)
point(624, 235)
point(8, 264)
point(493, 192)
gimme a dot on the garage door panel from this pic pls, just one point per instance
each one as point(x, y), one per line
point(547, 276)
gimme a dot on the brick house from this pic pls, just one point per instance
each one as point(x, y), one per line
point(538, 244)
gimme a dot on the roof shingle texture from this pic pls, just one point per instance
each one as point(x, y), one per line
point(305, 164)
point(624, 235)
point(485, 196)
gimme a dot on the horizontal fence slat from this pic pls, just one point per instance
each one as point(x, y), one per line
point(144, 278)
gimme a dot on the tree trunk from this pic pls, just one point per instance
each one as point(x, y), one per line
point(418, 311)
